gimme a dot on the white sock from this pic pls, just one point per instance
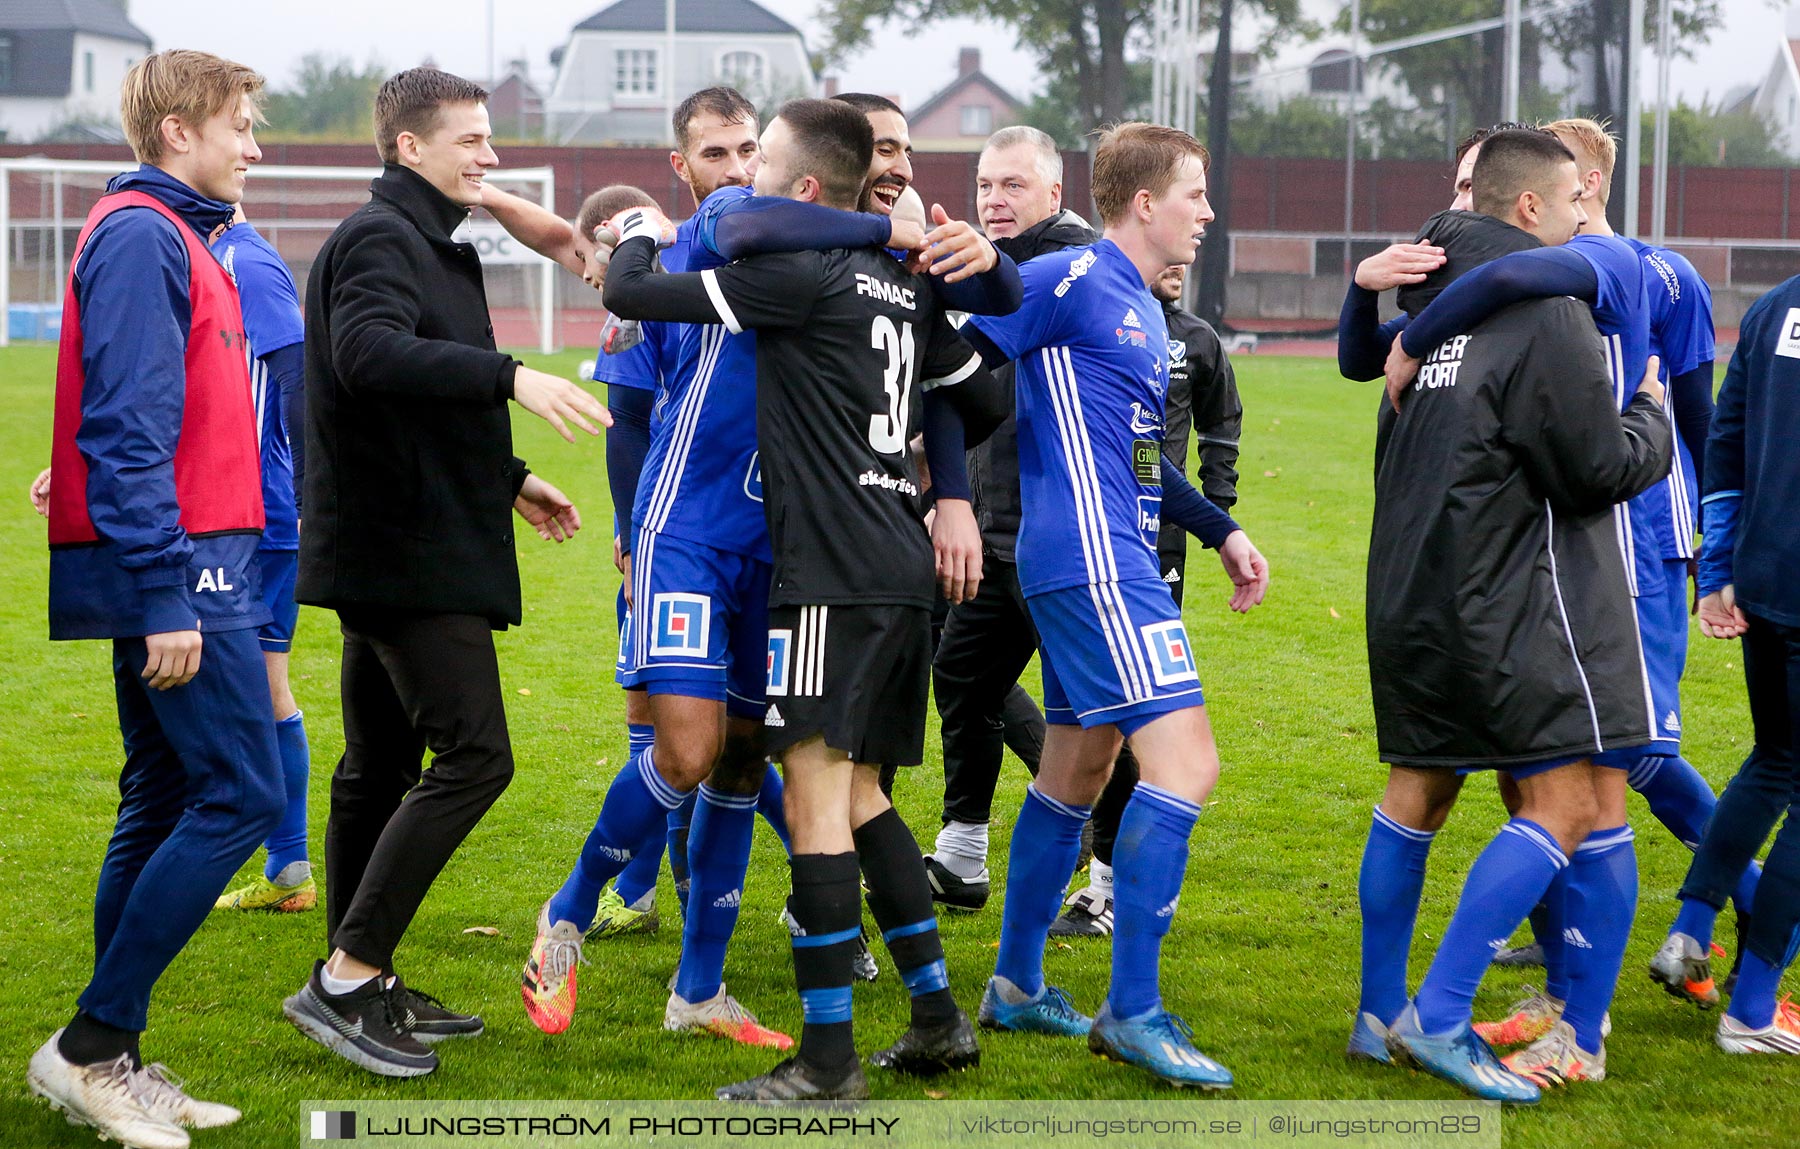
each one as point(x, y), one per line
point(962, 849)
point(1100, 877)
point(338, 987)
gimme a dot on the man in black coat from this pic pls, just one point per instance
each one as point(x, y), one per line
point(409, 488)
point(1500, 624)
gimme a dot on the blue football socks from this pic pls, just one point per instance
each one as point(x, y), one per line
point(1046, 840)
point(1388, 889)
point(1149, 862)
point(639, 878)
point(287, 843)
point(1600, 903)
point(1753, 1002)
point(769, 805)
point(1509, 877)
point(718, 858)
point(634, 813)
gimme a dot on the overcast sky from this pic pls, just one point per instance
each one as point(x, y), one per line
point(273, 38)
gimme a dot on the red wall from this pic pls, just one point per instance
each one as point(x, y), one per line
point(1392, 196)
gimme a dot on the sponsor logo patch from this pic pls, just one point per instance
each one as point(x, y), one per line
point(1144, 421)
point(1171, 657)
point(683, 624)
point(781, 645)
point(1146, 461)
point(1789, 343)
point(753, 478)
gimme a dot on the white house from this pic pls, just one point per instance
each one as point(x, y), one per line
point(1776, 97)
point(615, 83)
point(61, 63)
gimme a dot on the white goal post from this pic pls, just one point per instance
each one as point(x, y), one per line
point(44, 202)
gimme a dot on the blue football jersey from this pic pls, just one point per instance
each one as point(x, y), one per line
point(272, 321)
point(1092, 372)
point(1622, 313)
point(702, 480)
point(649, 363)
point(1681, 334)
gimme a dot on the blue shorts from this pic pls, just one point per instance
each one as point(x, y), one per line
point(1114, 654)
point(1663, 626)
point(279, 569)
point(700, 624)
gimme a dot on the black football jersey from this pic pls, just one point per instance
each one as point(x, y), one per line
point(847, 343)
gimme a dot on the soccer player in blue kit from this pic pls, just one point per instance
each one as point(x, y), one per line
point(276, 336)
point(1595, 899)
point(1091, 352)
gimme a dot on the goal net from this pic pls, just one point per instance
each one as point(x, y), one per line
point(43, 204)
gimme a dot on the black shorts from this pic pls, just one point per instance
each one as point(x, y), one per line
point(858, 675)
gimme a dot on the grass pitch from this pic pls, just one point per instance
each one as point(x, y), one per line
point(1262, 959)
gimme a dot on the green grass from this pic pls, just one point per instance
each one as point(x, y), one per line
point(1262, 959)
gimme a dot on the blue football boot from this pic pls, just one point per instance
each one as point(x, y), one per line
point(1460, 1057)
point(1159, 1042)
point(1368, 1040)
point(1050, 1011)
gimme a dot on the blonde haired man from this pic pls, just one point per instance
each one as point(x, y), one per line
point(155, 510)
point(1117, 664)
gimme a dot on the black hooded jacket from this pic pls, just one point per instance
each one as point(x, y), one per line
point(1500, 627)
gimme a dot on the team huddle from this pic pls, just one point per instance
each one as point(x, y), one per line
point(863, 456)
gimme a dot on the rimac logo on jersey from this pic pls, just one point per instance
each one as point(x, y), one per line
point(1789, 343)
point(781, 645)
point(1076, 270)
point(682, 624)
point(886, 292)
point(1171, 658)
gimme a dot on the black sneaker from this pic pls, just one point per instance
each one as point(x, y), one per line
point(794, 1080)
point(863, 966)
point(1087, 914)
point(362, 1027)
point(1531, 954)
point(427, 1018)
point(953, 892)
point(924, 1052)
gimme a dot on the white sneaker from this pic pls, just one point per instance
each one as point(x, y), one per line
point(1781, 1035)
point(109, 1097)
point(723, 1016)
point(167, 1100)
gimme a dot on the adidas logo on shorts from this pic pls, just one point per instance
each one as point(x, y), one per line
point(729, 900)
point(1574, 937)
point(774, 718)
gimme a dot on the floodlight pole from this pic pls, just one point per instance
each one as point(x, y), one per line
point(1510, 103)
point(1634, 120)
point(668, 70)
point(1659, 186)
point(1350, 128)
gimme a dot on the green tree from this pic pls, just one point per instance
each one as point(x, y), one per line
point(329, 98)
point(1709, 137)
point(1084, 46)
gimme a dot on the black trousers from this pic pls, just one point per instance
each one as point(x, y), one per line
point(1766, 786)
point(987, 643)
point(1110, 808)
point(410, 682)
